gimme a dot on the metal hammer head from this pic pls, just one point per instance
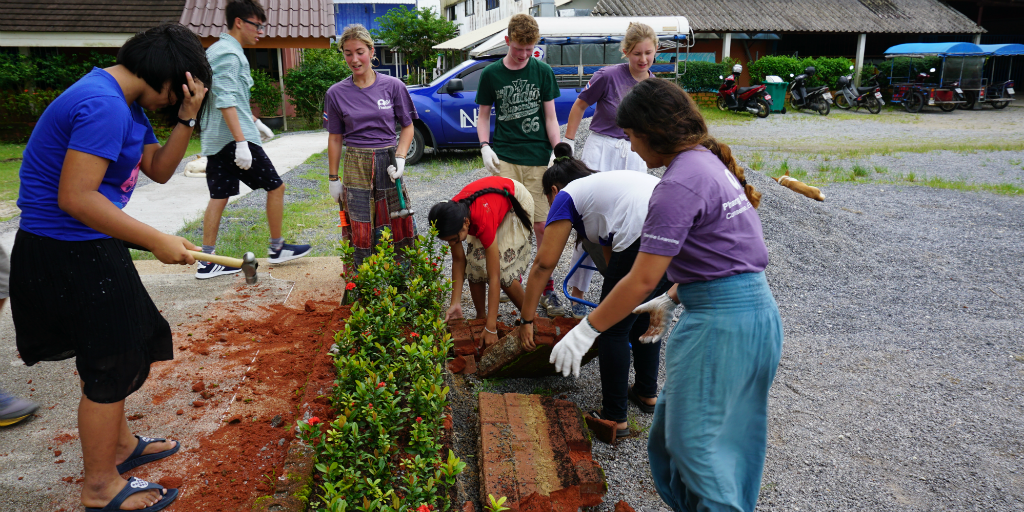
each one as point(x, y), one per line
point(402, 213)
point(249, 265)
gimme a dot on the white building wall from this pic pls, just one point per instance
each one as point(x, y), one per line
point(482, 17)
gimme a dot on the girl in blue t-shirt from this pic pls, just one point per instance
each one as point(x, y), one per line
point(70, 262)
point(708, 438)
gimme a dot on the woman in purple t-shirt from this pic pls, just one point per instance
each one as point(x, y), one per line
point(708, 438)
point(607, 147)
point(362, 112)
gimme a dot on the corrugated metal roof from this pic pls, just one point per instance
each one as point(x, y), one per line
point(117, 16)
point(858, 16)
point(285, 18)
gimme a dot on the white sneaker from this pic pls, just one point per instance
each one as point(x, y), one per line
point(208, 270)
point(287, 252)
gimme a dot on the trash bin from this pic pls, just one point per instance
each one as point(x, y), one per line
point(777, 90)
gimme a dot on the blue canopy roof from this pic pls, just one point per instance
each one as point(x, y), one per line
point(941, 49)
point(1003, 49)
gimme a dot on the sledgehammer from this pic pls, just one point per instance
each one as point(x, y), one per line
point(404, 212)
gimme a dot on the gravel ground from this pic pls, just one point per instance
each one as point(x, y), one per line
point(900, 386)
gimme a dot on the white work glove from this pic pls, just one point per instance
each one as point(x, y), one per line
point(397, 172)
point(572, 145)
point(491, 161)
point(568, 353)
point(265, 132)
point(335, 188)
point(243, 157)
point(660, 308)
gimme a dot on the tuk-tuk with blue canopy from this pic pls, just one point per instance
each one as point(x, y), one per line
point(960, 75)
point(998, 93)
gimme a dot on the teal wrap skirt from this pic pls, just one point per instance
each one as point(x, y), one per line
point(708, 438)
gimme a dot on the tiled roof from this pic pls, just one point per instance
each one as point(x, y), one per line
point(285, 18)
point(119, 16)
point(859, 16)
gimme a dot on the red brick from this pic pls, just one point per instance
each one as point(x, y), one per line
point(535, 502)
point(563, 325)
point(457, 365)
point(603, 429)
point(543, 326)
point(571, 422)
point(468, 507)
point(566, 500)
point(460, 332)
point(492, 408)
point(470, 364)
point(465, 346)
point(591, 479)
point(498, 476)
point(622, 506)
point(478, 322)
point(544, 339)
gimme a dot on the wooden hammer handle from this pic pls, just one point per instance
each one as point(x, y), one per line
point(216, 258)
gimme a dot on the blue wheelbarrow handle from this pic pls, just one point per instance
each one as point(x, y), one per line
point(565, 282)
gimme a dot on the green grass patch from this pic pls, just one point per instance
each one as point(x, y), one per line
point(310, 216)
point(756, 161)
point(10, 164)
point(860, 171)
point(714, 116)
point(445, 163)
point(879, 169)
point(542, 391)
point(794, 172)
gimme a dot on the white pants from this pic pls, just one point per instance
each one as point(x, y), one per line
point(603, 153)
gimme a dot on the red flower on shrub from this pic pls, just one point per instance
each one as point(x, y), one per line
point(419, 419)
point(423, 508)
point(376, 291)
point(413, 335)
point(380, 385)
point(369, 406)
point(350, 286)
point(313, 421)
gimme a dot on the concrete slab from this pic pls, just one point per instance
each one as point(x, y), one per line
point(32, 479)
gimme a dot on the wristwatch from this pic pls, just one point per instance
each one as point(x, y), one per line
point(191, 123)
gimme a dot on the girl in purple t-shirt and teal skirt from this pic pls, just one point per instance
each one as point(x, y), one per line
point(710, 430)
point(362, 112)
point(607, 147)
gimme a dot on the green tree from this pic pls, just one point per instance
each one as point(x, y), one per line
point(308, 82)
point(415, 33)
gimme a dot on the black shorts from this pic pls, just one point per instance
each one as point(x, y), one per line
point(222, 175)
point(85, 300)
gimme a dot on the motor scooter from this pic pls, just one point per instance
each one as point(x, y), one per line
point(818, 98)
point(745, 99)
point(868, 96)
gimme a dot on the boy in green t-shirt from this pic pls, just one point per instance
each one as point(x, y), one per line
point(524, 90)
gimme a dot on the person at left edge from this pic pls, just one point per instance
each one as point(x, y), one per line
point(69, 263)
point(231, 139)
point(362, 112)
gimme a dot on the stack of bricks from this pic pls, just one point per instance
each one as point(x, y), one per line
point(535, 452)
point(507, 358)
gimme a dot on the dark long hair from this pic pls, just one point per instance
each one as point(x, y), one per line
point(668, 119)
point(449, 216)
point(565, 169)
point(163, 54)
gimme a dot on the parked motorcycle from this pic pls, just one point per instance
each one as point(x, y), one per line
point(818, 98)
point(868, 96)
point(744, 99)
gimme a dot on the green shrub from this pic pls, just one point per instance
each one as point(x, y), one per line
point(778, 65)
point(15, 71)
point(829, 69)
point(27, 103)
point(308, 82)
point(703, 76)
point(903, 69)
point(263, 93)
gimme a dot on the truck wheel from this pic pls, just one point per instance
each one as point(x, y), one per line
point(416, 148)
point(913, 102)
point(1000, 104)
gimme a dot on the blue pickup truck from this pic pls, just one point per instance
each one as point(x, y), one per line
point(448, 114)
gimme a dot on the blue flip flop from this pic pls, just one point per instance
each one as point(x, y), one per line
point(137, 459)
point(136, 485)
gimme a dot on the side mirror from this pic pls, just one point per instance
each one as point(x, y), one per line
point(932, 70)
point(851, 68)
point(454, 86)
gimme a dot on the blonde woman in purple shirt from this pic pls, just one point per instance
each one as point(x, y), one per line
point(607, 147)
point(362, 112)
point(708, 437)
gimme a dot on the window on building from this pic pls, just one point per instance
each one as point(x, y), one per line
point(450, 11)
point(263, 58)
point(385, 55)
point(469, 7)
point(492, 4)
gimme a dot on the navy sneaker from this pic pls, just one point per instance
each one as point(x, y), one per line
point(14, 409)
point(288, 252)
point(577, 310)
point(207, 270)
point(552, 304)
